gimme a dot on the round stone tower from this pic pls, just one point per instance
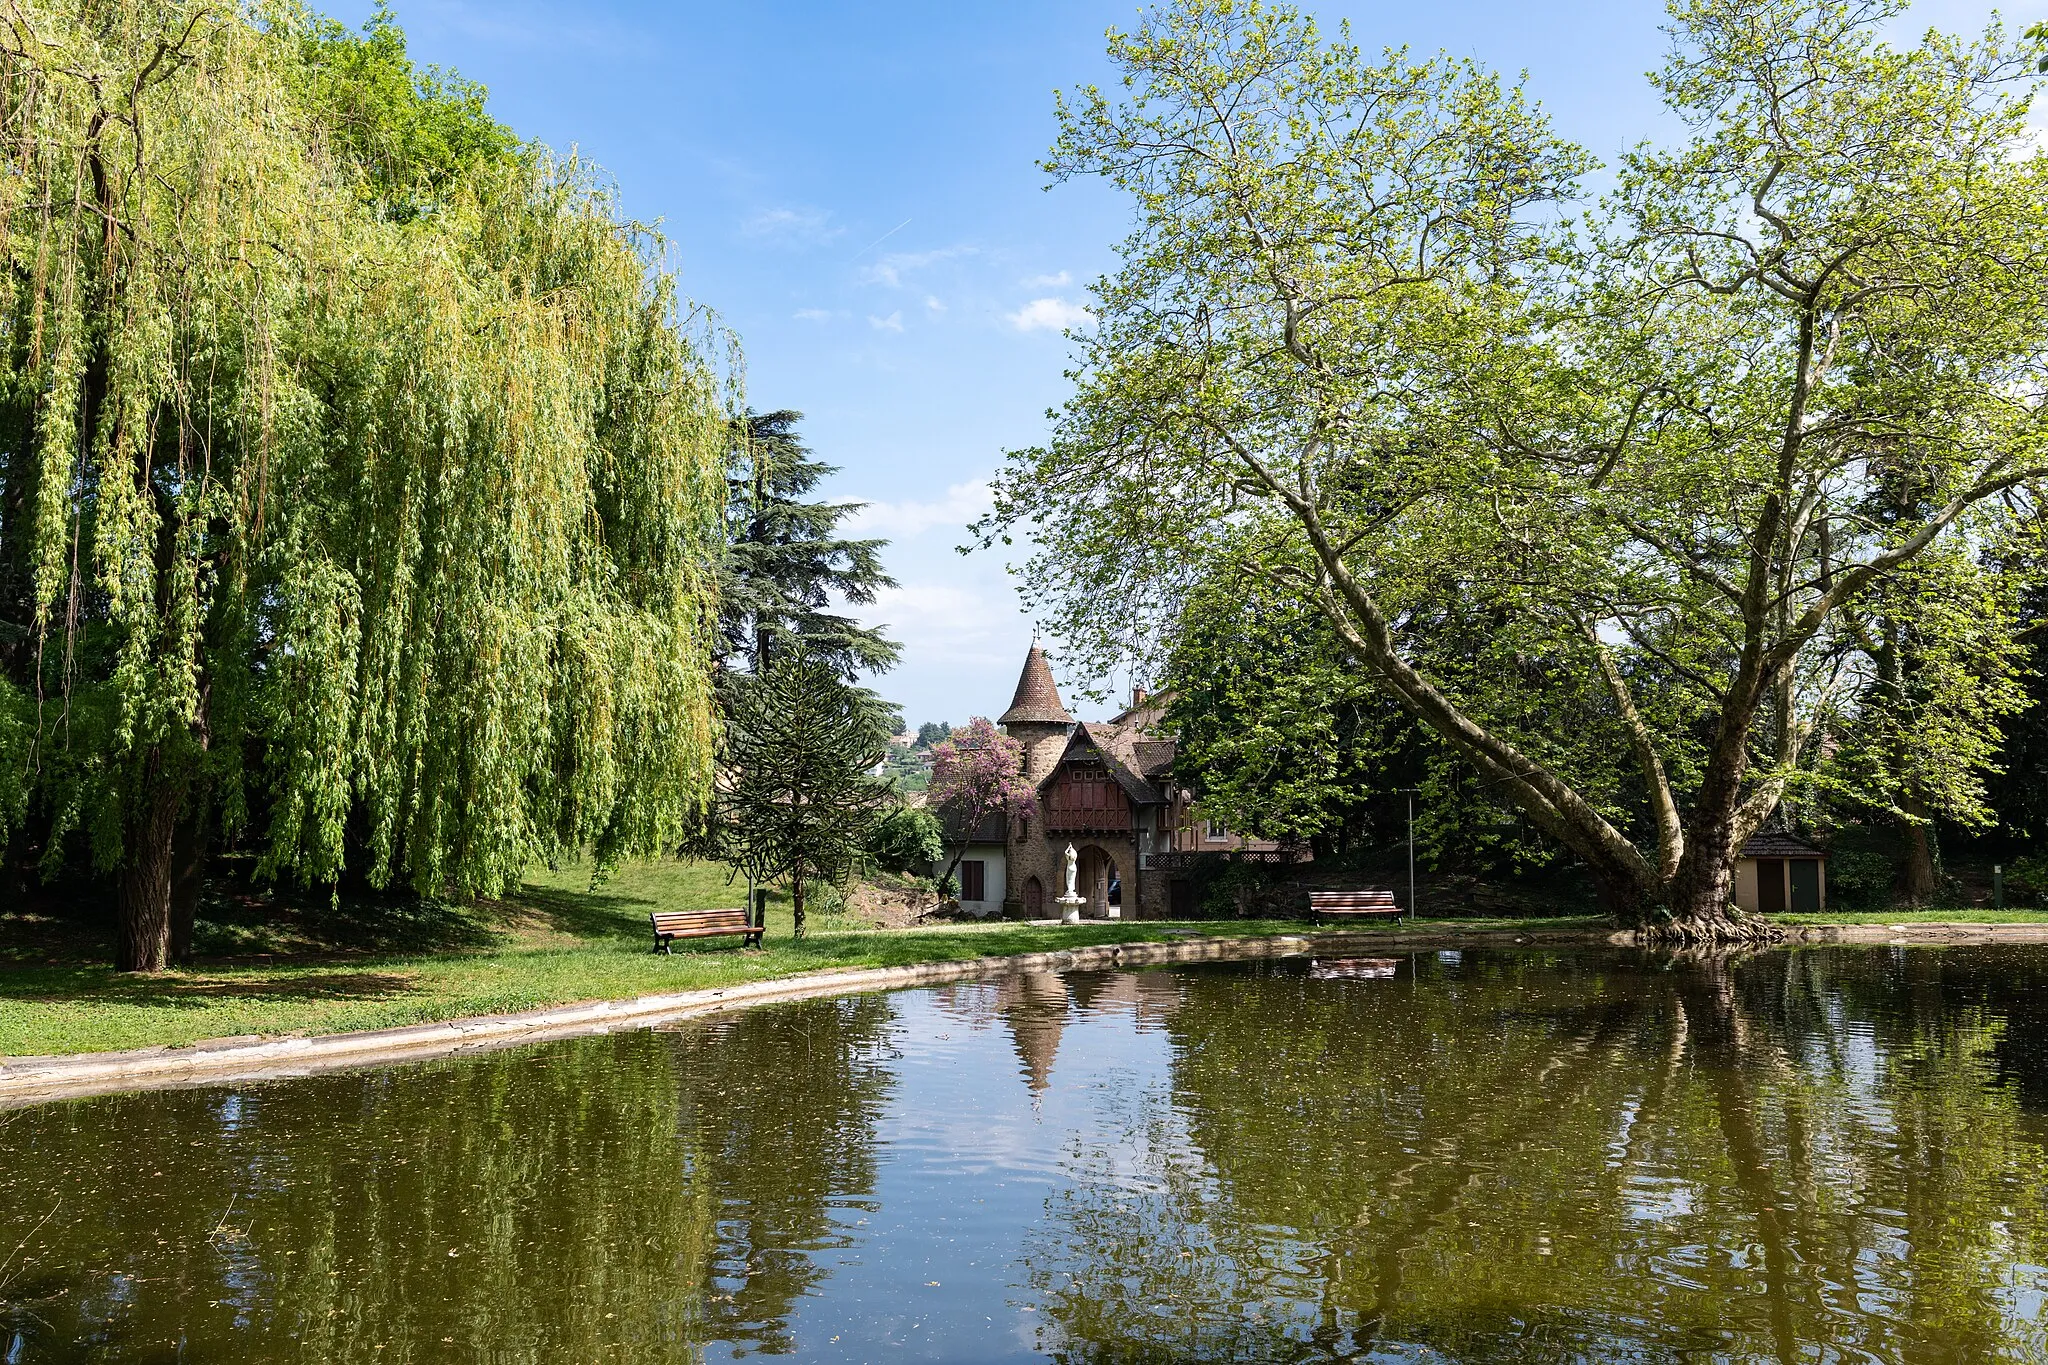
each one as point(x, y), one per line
point(1036, 719)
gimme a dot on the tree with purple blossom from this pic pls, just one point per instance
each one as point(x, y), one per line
point(977, 772)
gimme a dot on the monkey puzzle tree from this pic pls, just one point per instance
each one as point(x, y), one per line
point(392, 535)
point(1353, 321)
point(797, 797)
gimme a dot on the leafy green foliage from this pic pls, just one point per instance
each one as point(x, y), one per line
point(785, 561)
point(906, 839)
point(2018, 788)
point(1668, 461)
point(385, 540)
point(797, 801)
point(412, 132)
point(1281, 735)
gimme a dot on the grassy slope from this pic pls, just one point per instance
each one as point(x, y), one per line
point(329, 971)
point(290, 970)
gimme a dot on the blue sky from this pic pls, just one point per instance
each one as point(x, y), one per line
point(853, 187)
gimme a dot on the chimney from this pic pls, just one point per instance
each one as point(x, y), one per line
point(1138, 695)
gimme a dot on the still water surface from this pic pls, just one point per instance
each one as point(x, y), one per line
point(1818, 1155)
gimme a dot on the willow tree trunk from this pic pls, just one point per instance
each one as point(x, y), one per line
point(143, 932)
point(188, 874)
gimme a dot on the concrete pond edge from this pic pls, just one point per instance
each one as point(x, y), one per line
point(34, 1080)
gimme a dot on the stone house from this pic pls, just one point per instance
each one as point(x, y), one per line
point(1108, 789)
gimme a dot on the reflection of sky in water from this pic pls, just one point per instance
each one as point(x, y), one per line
point(1492, 1156)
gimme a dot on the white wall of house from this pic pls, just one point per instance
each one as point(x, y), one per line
point(990, 856)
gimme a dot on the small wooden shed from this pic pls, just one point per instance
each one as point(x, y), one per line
point(1776, 872)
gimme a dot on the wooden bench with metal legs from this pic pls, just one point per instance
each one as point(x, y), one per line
point(670, 925)
point(1353, 905)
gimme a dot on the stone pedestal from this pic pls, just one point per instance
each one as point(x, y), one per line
point(1070, 908)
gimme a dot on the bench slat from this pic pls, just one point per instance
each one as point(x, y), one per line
point(1353, 904)
point(669, 925)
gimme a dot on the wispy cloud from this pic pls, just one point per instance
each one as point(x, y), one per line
point(1059, 281)
point(1050, 315)
point(815, 315)
point(900, 520)
point(891, 269)
point(967, 624)
point(791, 226)
point(933, 303)
point(892, 323)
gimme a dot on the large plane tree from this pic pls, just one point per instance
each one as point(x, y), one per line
point(1672, 449)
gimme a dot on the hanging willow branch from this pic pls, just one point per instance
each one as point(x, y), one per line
point(389, 535)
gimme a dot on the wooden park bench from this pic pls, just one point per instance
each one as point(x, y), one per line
point(670, 925)
point(1352, 905)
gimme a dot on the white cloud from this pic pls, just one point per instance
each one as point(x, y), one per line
point(814, 315)
point(963, 503)
point(1059, 281)
point(892, 323)
point(951, 626)
point(1050, 315)
point(891, 269)
point(934, 303)
point(802, 226)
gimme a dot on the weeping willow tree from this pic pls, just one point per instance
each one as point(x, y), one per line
point(357, 501)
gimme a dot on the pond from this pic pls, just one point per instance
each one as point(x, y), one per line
point(1824, 1154)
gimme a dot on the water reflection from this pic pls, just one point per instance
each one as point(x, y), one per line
point(1829, 1154)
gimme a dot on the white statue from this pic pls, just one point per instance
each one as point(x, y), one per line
point(1071, 903)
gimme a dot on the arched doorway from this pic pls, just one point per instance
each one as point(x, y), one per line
point(1034, 898)
point(1097, 872)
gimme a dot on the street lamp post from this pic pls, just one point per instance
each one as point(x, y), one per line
point(1411, 855)
point(1410, 793)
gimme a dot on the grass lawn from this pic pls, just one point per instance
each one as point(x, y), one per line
point(1973, 914)
point(282, 967)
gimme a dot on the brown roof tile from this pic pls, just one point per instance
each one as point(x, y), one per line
point(1155, 756)
point(1038, 698)
point(1771, 843)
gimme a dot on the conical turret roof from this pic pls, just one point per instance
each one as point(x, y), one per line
point(1038, 699)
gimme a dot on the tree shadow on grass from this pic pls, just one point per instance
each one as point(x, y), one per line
point(173, 990)
point(237, 922)
point(604, 915)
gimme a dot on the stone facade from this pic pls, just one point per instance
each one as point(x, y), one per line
point(1107, 789)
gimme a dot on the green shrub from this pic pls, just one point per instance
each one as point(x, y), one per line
point(1862, 872)
point(905, 839)
point(2026, 880)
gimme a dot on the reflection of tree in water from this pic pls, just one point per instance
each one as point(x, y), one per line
point(777, 1124)
point(1573, 1159)
point(617, 1198)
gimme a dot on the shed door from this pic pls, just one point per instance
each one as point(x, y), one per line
point(1770, 885)
point(1806, 886)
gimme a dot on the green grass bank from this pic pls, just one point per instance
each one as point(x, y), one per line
point(278, 968)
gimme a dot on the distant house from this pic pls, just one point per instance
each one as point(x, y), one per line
point(1108, 789)
point(1776, 872)
point(983, 864)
